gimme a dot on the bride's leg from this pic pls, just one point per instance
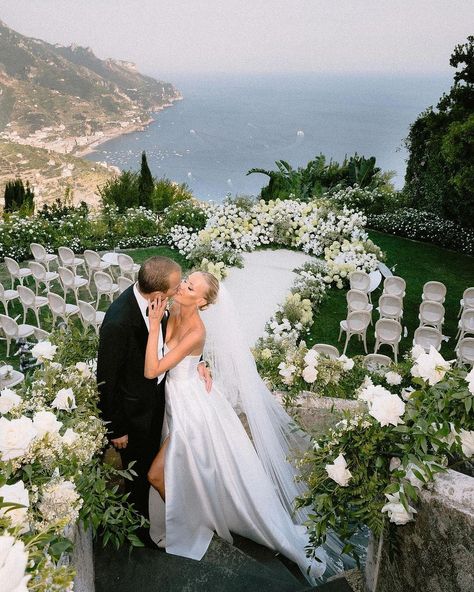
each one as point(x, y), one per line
point(156, 473)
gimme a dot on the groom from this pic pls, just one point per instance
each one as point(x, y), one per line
point(133, 405)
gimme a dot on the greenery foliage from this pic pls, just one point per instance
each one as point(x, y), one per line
point(131, 190)
point(388, 462)
point(425, 226)
point(440, 167)
point(319, 177)
point(18, 197)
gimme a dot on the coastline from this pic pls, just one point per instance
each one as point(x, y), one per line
point(121, 131)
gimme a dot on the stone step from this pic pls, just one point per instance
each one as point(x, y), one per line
point(224, 568)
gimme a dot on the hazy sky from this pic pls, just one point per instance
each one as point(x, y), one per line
point(180, 36)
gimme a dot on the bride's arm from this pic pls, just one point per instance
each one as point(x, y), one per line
point(155, 366)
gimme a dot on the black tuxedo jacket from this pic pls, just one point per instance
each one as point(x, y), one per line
point(131, 403)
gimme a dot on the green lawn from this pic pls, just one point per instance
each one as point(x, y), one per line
point(14, 308)
point(417, 263)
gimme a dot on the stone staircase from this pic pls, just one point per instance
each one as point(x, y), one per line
point(244, 566)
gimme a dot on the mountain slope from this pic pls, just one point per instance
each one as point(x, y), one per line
point(66, 98)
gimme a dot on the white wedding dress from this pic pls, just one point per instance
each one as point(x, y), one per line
point(214, 480)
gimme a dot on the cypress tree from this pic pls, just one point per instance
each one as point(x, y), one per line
point(146, 184)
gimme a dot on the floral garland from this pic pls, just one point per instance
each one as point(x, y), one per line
point(50, 440)
point(375, 462)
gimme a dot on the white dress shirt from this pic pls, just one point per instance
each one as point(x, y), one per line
point(143, 305)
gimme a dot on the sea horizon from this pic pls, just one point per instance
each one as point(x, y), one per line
point(227, 124)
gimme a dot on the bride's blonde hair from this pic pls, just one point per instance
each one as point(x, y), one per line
point(212, 289)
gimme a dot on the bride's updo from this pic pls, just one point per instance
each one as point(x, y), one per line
point(212, 289)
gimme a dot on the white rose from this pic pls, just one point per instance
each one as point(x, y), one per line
point(266, 354)
point(430, 367)
point(15, 437)
point(69, 437)
point(16, 494)
point(43, 350)
point(467, 442)
point(13, 561)
point(387, 409)
point(338, 471)
point(46, 422)
point(396, 510)
point(64, 400)
point(416, 351)
point(347, 363)
point(371, 392)
point(393, 378)
point(470, 381)
point(310, 374)
point(8, 400)
point(311, 357)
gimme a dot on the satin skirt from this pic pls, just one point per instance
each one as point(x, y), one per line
point(214, 480)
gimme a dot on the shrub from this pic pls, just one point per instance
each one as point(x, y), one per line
point(187, 213)
point(166, 193)
point(368, 201)
point(19, 197)
point(122, 191)
point(425, 226)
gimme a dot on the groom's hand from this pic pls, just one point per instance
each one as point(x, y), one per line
point(121, 442)
point(205, 374)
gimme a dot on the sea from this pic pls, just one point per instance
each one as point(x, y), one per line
point(228, 124)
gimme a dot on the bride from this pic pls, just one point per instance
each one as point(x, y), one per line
point(208, 471)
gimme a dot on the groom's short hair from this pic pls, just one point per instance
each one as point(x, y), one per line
point(154, 274)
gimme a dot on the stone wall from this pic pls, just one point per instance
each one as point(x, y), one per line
point(436, 551)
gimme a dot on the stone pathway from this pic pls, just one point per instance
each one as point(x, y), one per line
point(244, 566)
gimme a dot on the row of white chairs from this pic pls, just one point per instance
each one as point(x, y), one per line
point(422, 337)
point(91, 262)
point(60, 309)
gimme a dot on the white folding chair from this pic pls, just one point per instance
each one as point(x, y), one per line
point(395, 286)
point(326, 350)
point(94, 263)
point(16, 272)
point(358, 300)
point(127, 266)
point(359, 280)
point(90, 316)
point(431, 314)
point(42, 276)
point(390, 307)
point(467, 300)
point(41, 255)
point(68, 259)
point(427, 337)
point(123, 283)
point(60, 309)
point(7, 296)
point(466, 324)
point(30, 301)
point(355, 324)
point(72, 282)
point(13, 331)
point(375, 362)
point(104, 285)
point(465, 351)
point(434, 291)
point(41, 334)
point(389, 332)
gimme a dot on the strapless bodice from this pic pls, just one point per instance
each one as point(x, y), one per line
point(184, 370)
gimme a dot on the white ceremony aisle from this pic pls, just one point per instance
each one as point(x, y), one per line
point(261, 285)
